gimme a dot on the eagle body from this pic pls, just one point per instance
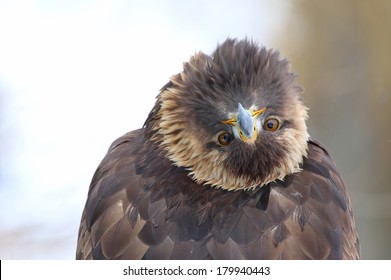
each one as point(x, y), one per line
point(223, 168)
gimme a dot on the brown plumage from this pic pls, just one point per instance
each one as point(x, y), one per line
point(222, 169)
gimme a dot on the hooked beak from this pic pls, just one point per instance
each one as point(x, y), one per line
point(244, 121)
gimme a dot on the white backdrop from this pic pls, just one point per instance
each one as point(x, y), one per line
point(75, 75)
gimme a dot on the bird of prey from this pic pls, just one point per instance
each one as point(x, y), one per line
point(223, 168)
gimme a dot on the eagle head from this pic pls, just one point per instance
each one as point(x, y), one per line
point(234, 119)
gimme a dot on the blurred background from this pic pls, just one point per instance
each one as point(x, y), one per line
point(75, 75)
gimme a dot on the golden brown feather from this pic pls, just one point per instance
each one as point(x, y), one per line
point(189, 185)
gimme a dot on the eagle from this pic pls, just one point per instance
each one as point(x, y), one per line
point(223, 168)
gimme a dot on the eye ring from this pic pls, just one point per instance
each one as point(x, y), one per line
point(225, 138)
point(271, 123)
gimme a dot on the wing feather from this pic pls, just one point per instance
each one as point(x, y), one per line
point(141, 206)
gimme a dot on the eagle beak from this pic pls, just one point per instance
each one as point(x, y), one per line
point(246, 125)
point(244, 121)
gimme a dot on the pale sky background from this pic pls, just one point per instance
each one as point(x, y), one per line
point(74, 76)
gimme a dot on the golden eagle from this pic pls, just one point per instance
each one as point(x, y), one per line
point(223, 168)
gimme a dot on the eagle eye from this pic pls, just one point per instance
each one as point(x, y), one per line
point(225, 138)
point(271, 124)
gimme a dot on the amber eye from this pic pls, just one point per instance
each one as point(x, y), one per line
point(271, 124)
point(225, 138)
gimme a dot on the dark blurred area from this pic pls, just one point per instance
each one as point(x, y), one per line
point(341, 52)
